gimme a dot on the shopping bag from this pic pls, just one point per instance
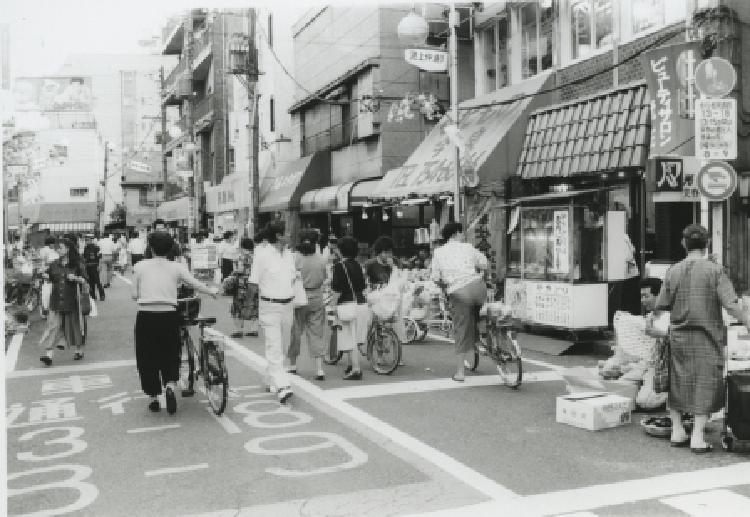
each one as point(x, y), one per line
point(347, 311)
point(93, 312)
point(85, 300)
point(661, 366)
point(46, 293)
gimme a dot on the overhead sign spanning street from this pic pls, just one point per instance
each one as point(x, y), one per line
point(716, 129)
point(717, 180)
point(426, 59)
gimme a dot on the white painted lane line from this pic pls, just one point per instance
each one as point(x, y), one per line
point(381, 432)
point(578, 514)
point(154, 428)
point(409, 387)
point(225, 422)
point(176, 470)
point(711, 503)
point(11, 357)
point(56, 370)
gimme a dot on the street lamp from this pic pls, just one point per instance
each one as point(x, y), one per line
point(413, 30)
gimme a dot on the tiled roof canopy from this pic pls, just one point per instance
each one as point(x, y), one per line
point(605, 132)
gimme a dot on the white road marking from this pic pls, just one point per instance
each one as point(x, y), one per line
point(710, 503)
point(435, 337)
point(368, 425)
point(176, 470)
point(154, 428)
point(112, 397)
point(126, 280)
point(225, 422)
point(408, 387)
point(578, 514)
point(11, 357)
point(57, 370)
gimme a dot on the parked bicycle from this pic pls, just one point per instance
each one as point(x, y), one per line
point(382, 349)
point(499, 342)
point(208, 355)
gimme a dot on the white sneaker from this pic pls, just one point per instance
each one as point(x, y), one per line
point(284, 394)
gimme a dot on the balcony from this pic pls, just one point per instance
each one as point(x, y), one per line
point(173, 142)
point(177, 85)
point(202, 49)
point(172, 35)
point(203, 114)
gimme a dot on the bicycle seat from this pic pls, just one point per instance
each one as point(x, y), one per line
point(204, 321)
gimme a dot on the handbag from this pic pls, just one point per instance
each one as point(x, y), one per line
point(347, 311)
point(661, 366)
point(85, 299)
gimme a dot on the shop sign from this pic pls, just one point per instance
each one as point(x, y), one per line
point(669, 176)
point(689, 189)
point(285, 181)
point(717, 180)
point(716, 129)
point(139, 166)
point(203, 256)
point(715, 77)
point(667, 72)
point(427, 59)
point(560, 253)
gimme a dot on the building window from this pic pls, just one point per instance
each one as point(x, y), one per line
point(272, 114)
point(489, 54)
point(646, 15)
point(79, 192)
point(591, 26)
point(537, 31)
point(494, 47)
point(270, 31)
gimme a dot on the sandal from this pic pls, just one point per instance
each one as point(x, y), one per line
point(458, 379)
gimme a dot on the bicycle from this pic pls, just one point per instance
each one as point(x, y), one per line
point(209, 356)
point(500, 343)
point(383, 345)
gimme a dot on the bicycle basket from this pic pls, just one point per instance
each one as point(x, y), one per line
point(383, 303)
point(189, 307)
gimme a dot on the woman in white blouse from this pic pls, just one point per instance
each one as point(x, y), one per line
point(457, 266)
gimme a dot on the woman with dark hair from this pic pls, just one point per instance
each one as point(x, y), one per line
point(244, 303)
point(695, 290)
point(65, 320)
point(456, 266)
point(310, 319)
point(348, 284)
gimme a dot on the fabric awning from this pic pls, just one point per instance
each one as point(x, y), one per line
point(556, 195)
point(363, 192)
point(605, 132)
point(175, 210)
point(327, 199)
point(491, 134)
point(58, 213)
point(282, 189)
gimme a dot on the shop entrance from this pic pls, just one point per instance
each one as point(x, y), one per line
point(670, 219)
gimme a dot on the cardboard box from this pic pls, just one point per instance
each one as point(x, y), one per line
point(593, 410)
point(587, 380)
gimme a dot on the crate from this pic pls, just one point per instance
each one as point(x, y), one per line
point(189, 307)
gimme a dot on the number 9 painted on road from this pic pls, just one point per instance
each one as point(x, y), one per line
point(357, 456)
point(71, 439)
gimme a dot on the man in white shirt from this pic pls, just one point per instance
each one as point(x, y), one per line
point(107, 249)
point(136, 247)
point(273, 274)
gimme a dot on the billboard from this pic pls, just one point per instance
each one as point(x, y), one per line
point(72, 93)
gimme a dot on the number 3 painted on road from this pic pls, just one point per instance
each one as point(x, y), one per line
point(87, 492)
point(358, 456)
point(71, 439)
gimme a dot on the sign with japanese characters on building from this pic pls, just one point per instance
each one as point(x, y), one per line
point(427, 59)
point(716, 129)
point(667, 71)
point(669, 175)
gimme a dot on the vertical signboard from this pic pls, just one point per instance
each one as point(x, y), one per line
point(716, 129)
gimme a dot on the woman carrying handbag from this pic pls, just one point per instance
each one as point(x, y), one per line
point(348, 285)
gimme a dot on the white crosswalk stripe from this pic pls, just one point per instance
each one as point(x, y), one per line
point(710, 503)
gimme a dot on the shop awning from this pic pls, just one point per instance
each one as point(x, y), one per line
point(605, 132)
point(363, 192)
point(61, 213)
point(327, 199)
point(175, 210)
point(282, 189)
point(68, 227)
point(556, 195)
point(491, 132)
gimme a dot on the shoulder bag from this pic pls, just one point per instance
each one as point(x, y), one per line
point(347, 311)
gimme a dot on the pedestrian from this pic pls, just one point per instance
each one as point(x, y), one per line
point(348, 284)
point(122, 254)
point(379, 267)
point(228, 253)
point(456, 266)
point(47, 255)
point(64, 321)
point(107, 249)
point(91, 257)
point(157, 324)
point(310, 319)
point(273, 274)
point(694, 290)
point(136, 247)
point(244, 300)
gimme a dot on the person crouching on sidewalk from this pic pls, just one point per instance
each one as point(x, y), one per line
point(157, 340)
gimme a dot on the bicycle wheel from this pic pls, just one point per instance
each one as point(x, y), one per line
point(215, 376)
point(384, 350)
point(332, 355)
point(187, 343)
point(507, 356)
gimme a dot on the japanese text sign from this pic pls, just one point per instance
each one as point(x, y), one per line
point(668, 78)
point(716, 129)
point(669, 175)
point(428, 60)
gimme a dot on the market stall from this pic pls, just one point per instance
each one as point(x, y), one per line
point(561, 259)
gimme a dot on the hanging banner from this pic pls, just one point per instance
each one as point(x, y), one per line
point(560, 256)
point(669, 77)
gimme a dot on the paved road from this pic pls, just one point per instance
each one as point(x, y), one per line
point(80, 440)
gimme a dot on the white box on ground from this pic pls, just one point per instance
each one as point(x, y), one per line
point(593, 410)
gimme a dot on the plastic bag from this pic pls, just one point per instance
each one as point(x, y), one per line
point(630, 336)
point(647, 398)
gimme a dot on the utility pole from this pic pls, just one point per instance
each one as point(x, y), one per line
point(104, 184)
point(163, 139)
point(252, 84)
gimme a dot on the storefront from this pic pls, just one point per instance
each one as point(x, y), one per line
point(229, 205)
point(578, 198)
point(176, 213)
point(59, 218)
point(281, 190)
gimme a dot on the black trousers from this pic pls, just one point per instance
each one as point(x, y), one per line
point(157, 349)
point(136, 258)
point(94, 281)
point(227, 266)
